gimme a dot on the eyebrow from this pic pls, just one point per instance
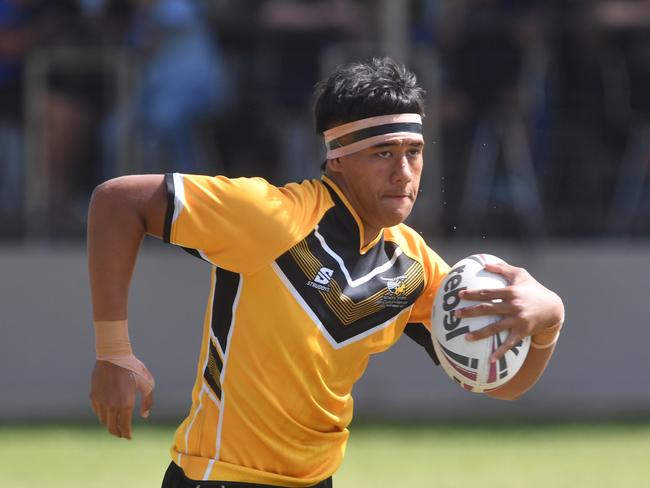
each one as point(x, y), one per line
point(390, 144)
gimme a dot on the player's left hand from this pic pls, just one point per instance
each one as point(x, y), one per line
point(526, 306)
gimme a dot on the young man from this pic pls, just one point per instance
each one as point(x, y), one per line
point(299, 296)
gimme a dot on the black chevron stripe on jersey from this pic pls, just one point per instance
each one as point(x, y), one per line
point(350, 292)
point(225, 293)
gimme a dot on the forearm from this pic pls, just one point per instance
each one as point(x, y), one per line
point(114, 235)
point(528, 375)
point(539, 355)
point(117, 222)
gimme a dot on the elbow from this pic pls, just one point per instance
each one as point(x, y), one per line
point(106, 190)
point(108, 201)
point(128, 202)
point(100, 198)
point(109, 194)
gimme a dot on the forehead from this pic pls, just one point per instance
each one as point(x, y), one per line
point(400, 141)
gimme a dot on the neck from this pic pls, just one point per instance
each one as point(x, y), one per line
point(368, 231)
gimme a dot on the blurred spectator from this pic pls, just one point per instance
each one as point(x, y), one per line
point(625, 60)
point(62, 121)
point(24, 25)
point(494, 61)
point(299, 35)
point(183, 81)
point(599, 92)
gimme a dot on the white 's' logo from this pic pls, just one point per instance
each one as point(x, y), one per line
point(324, 276)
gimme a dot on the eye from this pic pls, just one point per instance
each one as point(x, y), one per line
point(384, 154)
point(414, 152)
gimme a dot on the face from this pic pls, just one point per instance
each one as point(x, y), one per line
point(380, 182)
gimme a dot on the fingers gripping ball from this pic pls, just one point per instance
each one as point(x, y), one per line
point(467, 362)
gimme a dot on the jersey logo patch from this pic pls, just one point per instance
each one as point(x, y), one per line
point(351, 295)
point(322, 279)
point(396, 286)
point(397, 296)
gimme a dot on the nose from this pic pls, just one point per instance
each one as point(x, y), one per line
point(402, 172)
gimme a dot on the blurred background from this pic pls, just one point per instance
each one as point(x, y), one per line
point(537, 150)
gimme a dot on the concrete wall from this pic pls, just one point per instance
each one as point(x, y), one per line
point(46, 340)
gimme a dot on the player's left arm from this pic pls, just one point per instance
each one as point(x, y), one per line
point(528, 309)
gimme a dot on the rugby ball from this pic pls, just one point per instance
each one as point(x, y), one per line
point(467, 362)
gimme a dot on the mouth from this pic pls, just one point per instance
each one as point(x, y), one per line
point(399, 196)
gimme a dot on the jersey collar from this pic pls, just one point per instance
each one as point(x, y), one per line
point(346, 210)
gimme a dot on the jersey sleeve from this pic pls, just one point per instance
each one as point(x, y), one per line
point(239, 224)
point(435, 270)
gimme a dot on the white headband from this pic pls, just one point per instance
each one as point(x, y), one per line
point(361, 134)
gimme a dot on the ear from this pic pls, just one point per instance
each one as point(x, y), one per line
point(334, 165)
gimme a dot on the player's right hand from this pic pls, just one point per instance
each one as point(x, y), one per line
point(113, 391)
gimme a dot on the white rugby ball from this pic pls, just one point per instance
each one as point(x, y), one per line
point(467, 362)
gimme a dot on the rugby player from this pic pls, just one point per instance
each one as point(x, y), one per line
point(307, 281)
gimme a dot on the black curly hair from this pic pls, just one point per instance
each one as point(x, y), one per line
point(360, 90)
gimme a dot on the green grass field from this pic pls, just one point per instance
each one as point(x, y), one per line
point(563, 455)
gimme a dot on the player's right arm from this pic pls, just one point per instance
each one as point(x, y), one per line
point(122, 211)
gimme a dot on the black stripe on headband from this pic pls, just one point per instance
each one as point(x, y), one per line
point(377, 130)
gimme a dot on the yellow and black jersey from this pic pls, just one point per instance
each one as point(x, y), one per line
point(297, 305)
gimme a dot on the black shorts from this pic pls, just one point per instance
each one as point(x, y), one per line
point(175, 478)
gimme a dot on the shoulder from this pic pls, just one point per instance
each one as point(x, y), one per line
point(410, 240)
point(241, 223)
point(307, 190)
point(243, 190)
point(413, 244)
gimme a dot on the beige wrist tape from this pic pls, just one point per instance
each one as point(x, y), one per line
point(112, 338)
point(112, 344)
point(547, 338)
